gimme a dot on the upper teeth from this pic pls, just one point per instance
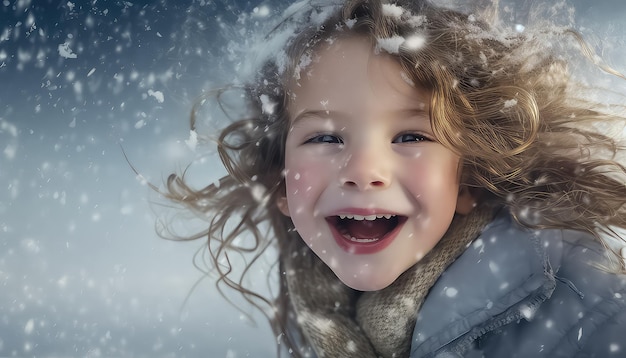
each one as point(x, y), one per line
point(368, 217)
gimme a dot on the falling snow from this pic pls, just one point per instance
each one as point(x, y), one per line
point(158, 95)
point(392, 10)
point(267, 105)
point(494, 267)
point(451, 292)
point(30, 326)
point(192, 141)
point(510, 103)
point(258, 192)
point(65, 51)
point(82, 271)
point(415, 42)
point(526, 312)
point(390, 45)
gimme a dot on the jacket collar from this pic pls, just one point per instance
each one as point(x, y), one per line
point(503, 276)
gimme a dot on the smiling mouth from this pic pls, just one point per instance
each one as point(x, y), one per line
point(369, 229)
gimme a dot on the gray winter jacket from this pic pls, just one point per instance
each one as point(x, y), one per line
point(522, 293)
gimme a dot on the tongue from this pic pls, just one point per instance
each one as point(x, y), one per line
point(365, 229)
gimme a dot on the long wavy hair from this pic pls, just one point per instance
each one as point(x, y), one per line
point(504, 101)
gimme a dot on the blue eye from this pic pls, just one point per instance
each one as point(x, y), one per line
point(324, 138)
point(410, 138)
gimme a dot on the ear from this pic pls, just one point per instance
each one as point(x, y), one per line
point(466, 200)
point(283, 206)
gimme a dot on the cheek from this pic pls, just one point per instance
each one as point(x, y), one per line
point(433, 174)
point(303, 181)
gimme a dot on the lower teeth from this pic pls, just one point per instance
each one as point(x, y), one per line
point(354, 239)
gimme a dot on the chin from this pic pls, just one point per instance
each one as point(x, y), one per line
point(364, 282)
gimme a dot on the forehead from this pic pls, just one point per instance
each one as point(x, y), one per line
point(348, 71)
point(333, 55)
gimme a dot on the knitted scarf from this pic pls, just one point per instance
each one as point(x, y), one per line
point(338, 321)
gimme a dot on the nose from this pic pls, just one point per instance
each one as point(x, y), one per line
point(365, 169)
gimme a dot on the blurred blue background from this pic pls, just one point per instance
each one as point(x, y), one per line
point(82, 271)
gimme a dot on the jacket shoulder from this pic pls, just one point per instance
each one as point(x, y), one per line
point(595, 298)
point(583, 316)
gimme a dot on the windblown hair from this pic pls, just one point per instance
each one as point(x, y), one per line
point(502, 100)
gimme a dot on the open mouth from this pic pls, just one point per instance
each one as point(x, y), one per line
point(357, 230)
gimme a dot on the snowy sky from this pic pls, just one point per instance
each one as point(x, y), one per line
point(82, 272)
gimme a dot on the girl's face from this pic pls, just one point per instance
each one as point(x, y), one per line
point(368, 187)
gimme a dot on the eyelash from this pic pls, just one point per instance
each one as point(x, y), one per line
point(418, 137)
point(333, 139)
point(319, 139)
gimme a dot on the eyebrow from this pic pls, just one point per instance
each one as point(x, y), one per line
point(318, 114)
point(326, 114)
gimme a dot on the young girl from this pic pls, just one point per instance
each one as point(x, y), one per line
point(434, 186)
